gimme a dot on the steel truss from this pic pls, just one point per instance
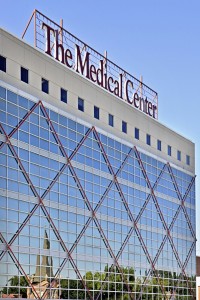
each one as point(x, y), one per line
point(114, 182)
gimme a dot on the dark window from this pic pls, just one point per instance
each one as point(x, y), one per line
point(45, 86)
point(188, 160)
point(148, 139)
point(169, 150)
point(63, 95)
point(111, 120)
point(137, 134)
point(96, 112)
point(24, 75)
point(124, 127)
point(2, 63)
point(80, 104)
point(159, 145)
point(179, 155)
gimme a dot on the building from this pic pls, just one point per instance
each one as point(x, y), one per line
point(198, 277)
point(97, 196)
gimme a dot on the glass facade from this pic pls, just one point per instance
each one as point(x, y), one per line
point(84, 216)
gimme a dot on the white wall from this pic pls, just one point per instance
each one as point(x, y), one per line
point(39, 64)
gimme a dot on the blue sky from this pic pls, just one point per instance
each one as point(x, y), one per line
point(159, 40)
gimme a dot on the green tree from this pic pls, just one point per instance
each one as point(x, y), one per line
point(17, 285)
point(111, 283)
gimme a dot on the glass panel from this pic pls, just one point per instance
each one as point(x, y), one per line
point(80, 104)
point(98, 207)
point(24, 75)
point(63, 95)
point(111, 120)
point(137, 134)
point(124, 127)
point(148, 139)
point(45, 86)
point(96, 112)
point(2, 63)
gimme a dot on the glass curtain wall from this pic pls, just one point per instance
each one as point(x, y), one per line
point(84, 216)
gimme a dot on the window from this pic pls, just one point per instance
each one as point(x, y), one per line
point(169, 150)
point(111, 120)
point(137, 134)
point(124, 127)
point(24, 75)
point(188, 160)
point(148, 139)
point(2, 63)
point(63, 95)
point(159, 145)
point(179, 155)
point(45, 86)
point(80, 104)
point(96, 112)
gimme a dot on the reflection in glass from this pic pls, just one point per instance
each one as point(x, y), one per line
point(43, 282)
point(41, 253)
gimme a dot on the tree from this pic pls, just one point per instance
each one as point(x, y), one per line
point(17, 285)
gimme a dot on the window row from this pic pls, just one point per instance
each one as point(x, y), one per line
point(25, 78)
point(137, 131)
point(159, 146)
point(63, 98)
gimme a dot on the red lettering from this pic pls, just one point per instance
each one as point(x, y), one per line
point(146, 106)
point(154, 111)
point(59, 49)
point(68, 56)
point(128, 82)
point(136, 99)
point(93, 71)
point(100, 74)
point(48, 37)
point(109, 88)
point(116, 89)
point(120, 85)
point(142, 104)
point(150, 109)
point(79, 63)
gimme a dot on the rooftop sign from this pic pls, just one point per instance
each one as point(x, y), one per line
point(64, 47)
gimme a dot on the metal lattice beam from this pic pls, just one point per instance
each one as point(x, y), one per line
point(114, 181)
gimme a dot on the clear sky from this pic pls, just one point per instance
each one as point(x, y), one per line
point(159, 40)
